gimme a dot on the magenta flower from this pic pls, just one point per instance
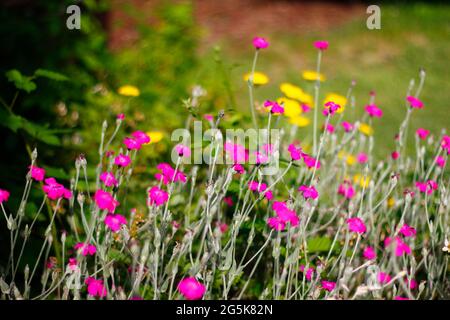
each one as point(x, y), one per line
point(408, 231)
point(330, 108)
point(346, 190)
point(374, 111)
point(348, 127)
point(260, 158)
point(445, 143)
point(157, 196)
point(311, 162)
point(191, 289)
point(275, 108)
point(183, 151)
point(427, 187)
point(95, 287)
point(440, 161)
point(321, 45)
point(369, 253)
point(395, 155)
point(209, 117)
point(383, 278)
point(362, 158)
point(54, 190)
point(122, 160)
point(356, 225)
point(141, 137)
point(108, 179)
point(4, 195)
point(422, 133)
point(305, 107)
point(228, 201)
point(308, 192)
point(276, 223)
point(168, 174)
point(328, 285)
point(400, 298)
point(296, 153)
point(411, 283)
point(239, 168)
point(131, 144)
point(414, 102)
point(284, 214)
point(329, 128)
point(260, 43)
point(105, 201)
point(223, 227)
point(37, 173)
point(309, 272)
point(73, 264)
point(85, 248)
point(400, 246)
point(115, 221)
point(236, 152)
point(120, 116)
point(260, 188)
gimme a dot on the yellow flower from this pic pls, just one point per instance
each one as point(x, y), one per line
point(129, 91)
point(359, 179)
point(155, 136)
point(365, 129)
point(299, 121)
point(312, 76)
point(307, 99)
point(351, 160)
point(336, 98)
point(291, 107)
point(291, 91)
point(259, 78)
point(391, 202)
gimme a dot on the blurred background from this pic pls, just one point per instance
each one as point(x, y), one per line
point(165, 48)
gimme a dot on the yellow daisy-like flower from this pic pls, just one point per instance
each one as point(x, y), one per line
point(359, 179)
point(391, 202)
point(307, 99)
point(259, 78)
point(312, 76)
point(129, 91)
point(365, 129)
point(299, 121)
point(351, 160)
point(336, 98)
point(291, 107)
point(291, 91)
point(155, 136)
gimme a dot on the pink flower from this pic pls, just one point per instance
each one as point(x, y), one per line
point(141, 137)
point(395, 155)
point(374, 111)
point(239, 168)
point(131, 144)
point(122, 160)
point(321, 45)
point(105, 201)
point(411, 283)
point(284, 214)
point(346, 190)
point(296, 153)
point(369, 253)
point(445, 143)
point(183, 151)
point(37, 173)
point(73, 264)
point(228, 201)
point(157, 196)
point(54, 190)
point(400, 248)
point(236, 152)
point(275, 108)
point(311, 162)
point(309, 272)
point(330, 108)
point(440, 161)
point(408, 231)
point(356, 225)
point(260, 188)
point(191, 289)
point(168, 174)
point(305, 107)
point(4, 195)
point(414, 102)
point(223, 227)
point(422, 133)
point(209, 117)
point(362, 158)
point(115, 221)
point(95, 287)
point(328, 285)
point(260, 158)
point(85, 248)
point(120, 116)
point(329, 128)
point(108, 179)
point(383, 278)
point(401, 298)
point(276, 223)
point(260, 43)
point(347, 126)
point(308, 192)
point(427, 187)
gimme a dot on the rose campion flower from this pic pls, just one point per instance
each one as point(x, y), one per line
point(369, 253)
point(239, 168)
point(309, 272)
point(85, 248)
point(191, 289)
point(321, 45)
point(445, 143)
point(284, 214)
point(95, 287)
point(348, 127)
point(275, 108)
point(383, 278)
point(115, 221)
point(374, 111)
point(308, 192)
point(400, 246)
point(4, 195)
point(37, 173)
point(55, 190)
point(296, 153)
point(395, 155)
point(141, 137)
point(311, 162)
point(228, 201)
point(356, 225)
point(120, 116)
point(131, 144)
point(73, 264)
point(236, 152)
point(105, 201)
point(422, 133)
point(414, 102)
point(260, 43)
point(122, 160)
point(167, 174)
point(411, 283)
point(400, 298)
point(276, 223)
point(362, 158)
point(330, 108)
point(183, 151)
point(407, 231)
point(440, 161)
point(346, 190)
point(108, 179)
point(260, 188)
point(209, 117)
point(157, 196)
point(328, 285)
point(426, 187)
point(329, 128)
point(223, 227)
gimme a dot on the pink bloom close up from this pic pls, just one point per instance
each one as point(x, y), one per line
point(422, 133)
point(356, 225)
point(191, 289)
point(321, 45)
point(95, 287)
point(414, 102)
point(348, 127)
point(105, 201)
point(260, 43)
point(37, 173)
point(85, 249)
point(115, 221)
point(108, 179)
point(374, 111)
point(55, 190)
point(4, 195)
point(408, 231)
point(308, 192)
point(369, 253)
point(157, 196)
point(328, 285)
point(122, 160)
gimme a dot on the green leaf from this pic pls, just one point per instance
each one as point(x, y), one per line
point(20, 81)
point(320, 244)
point(50, 75)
